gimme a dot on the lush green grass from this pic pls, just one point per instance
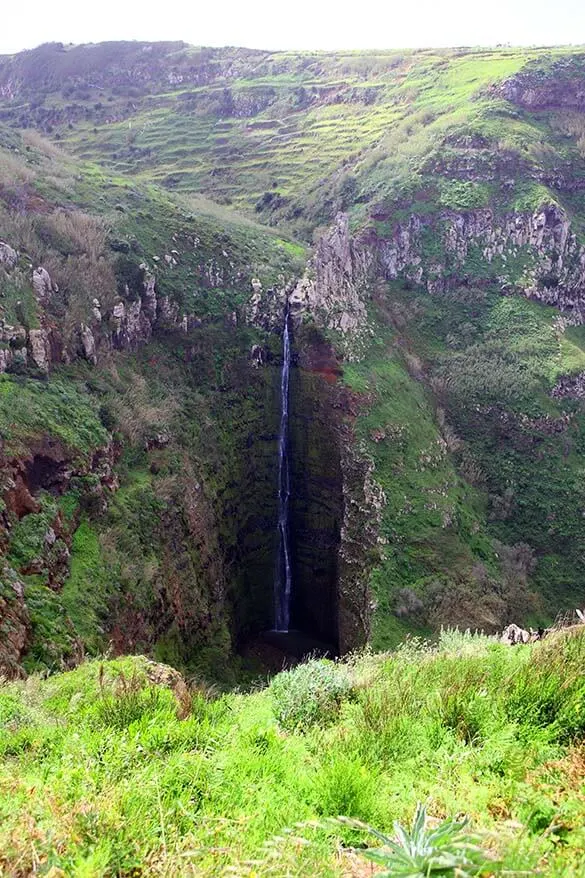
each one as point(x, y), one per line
point(103, 772)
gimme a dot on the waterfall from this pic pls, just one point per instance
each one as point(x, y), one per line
point(283, 578)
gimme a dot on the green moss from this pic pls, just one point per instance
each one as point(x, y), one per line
point(88, 588)
point(30, 409)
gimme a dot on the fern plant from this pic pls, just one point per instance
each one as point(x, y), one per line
point(423, 852)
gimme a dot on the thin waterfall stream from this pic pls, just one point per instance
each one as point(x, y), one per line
point(283, 578)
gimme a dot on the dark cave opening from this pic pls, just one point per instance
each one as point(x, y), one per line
point(45, 473)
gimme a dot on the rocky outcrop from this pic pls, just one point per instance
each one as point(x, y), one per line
point(334, 287)
point(130, 325)
point(39, 349)
point(571, 386)
point(513, 634)
point(88, 345)
point(535, 254)
point(266, 307)
point(43, 286)
point(561, 86)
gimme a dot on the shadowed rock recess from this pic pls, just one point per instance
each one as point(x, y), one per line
point(317, 491)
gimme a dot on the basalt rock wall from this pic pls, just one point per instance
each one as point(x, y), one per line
point(335, 503)
point(535, 254)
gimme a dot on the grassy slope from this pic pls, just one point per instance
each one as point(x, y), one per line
point(99, 776)
point(304, 135)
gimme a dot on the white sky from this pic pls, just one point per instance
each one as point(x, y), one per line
point(296, 24)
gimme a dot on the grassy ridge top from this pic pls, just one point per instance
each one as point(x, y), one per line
point(119, 768)
point(294, 137)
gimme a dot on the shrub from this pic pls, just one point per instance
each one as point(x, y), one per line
point(548, 692)
point(310, 693)
point(128, 701)
point(344, 785)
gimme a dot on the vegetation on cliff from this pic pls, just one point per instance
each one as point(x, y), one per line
point(131, 475)
point(148, 241)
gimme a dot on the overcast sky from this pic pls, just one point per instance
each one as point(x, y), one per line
point(300, 24)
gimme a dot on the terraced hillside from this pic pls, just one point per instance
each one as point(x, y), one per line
point(297, 136)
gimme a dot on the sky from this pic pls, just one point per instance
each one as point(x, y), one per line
point(297, 24)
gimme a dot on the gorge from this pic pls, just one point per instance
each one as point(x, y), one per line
point(292, 428)
point(320, 371)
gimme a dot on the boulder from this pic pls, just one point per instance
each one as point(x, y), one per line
point(39, 349)
point(513, 634)
point(8, 255)
point(43, 286)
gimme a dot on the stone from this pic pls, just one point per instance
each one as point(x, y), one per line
point(88, 344)
point(39, 349)
point(6, 358)
point(513, 634)
point(8, 256)
point(50, 537)
point(43, 286)
point(119, 312)
point(167, 311)
point(571, 386)
point(149, 297)
point(257, 356)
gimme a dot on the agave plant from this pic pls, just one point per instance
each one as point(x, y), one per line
point(424, 852)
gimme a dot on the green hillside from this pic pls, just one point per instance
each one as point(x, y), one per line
point(117, 768)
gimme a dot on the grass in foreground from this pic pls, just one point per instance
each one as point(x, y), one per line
point(107, 770)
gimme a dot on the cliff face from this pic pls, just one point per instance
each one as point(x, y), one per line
point(455, 266)
point(537, 255)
